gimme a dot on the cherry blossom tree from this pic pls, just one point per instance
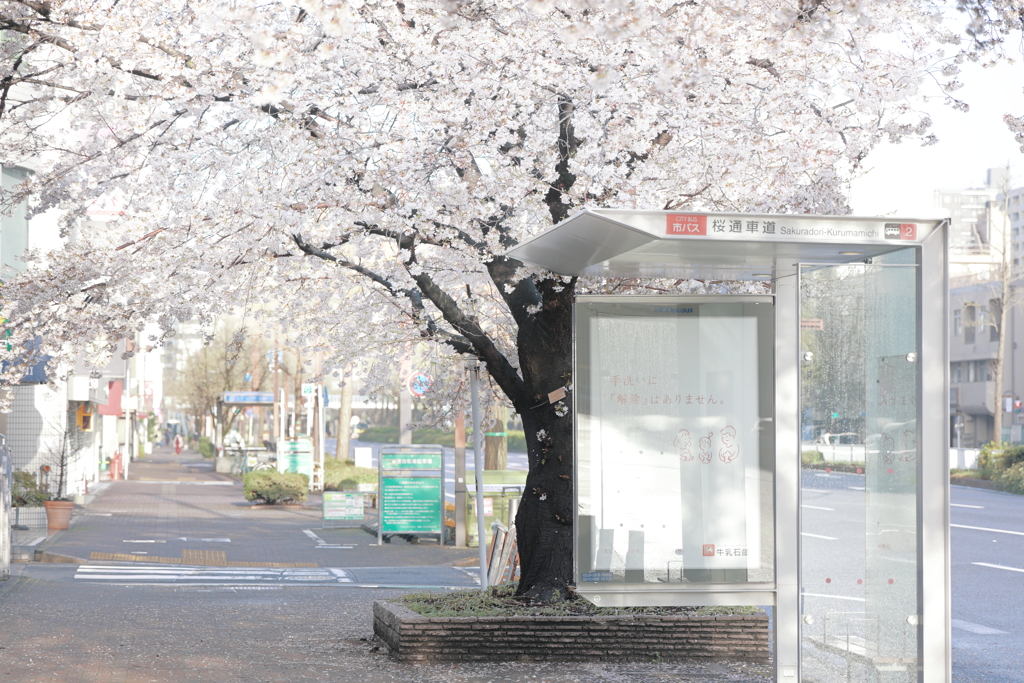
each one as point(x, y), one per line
point(357, 170)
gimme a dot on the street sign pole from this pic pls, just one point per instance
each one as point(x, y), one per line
point(478, 470)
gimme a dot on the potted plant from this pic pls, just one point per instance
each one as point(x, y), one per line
point(26, 495)
point(58, 506)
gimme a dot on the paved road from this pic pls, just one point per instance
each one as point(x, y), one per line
point(184, 583)
point(179, 519)
point(56, 630)
point(987, 543)
point(987, 538)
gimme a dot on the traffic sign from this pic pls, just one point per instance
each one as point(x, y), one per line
point(419, 383)
point(248, 397)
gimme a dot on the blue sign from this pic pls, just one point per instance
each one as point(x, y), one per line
point(248, 397)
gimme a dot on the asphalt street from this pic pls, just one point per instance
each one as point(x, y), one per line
point(179, 580)
point(987, 539)
point(987, 545)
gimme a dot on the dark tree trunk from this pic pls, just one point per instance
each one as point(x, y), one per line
point(544, 520)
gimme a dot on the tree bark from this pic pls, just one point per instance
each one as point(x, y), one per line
point(544, 519)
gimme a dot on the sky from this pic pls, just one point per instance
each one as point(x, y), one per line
point(902, 179)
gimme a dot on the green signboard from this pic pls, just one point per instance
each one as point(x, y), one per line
point(410, 461)
point(411, 490)
point(296, 456)
point(340, 505)
point(411, 505)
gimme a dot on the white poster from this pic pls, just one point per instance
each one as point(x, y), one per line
point(674, 476)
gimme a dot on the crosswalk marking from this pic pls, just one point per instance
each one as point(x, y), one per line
point(178, 574)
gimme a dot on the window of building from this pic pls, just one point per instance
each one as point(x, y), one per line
point(971, 371)
point(958, 327)
point(970, 317)
point(989, 372)
point(955, 372)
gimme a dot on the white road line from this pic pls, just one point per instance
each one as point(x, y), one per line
point(311, 534)
point(151, 541)
point(998, 566)
point(105, 514)
point(190, 574)
point(834, 597)
point(981, 528)
point(854, 488)
point(976, 628)
point(205, 540)
point(827, 538)
point(187, 483)
point(973, 507)
point(812, 507)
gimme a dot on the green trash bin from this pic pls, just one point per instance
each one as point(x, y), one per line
point(500, 486)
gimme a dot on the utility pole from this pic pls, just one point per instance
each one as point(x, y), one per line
point(404, 402)
point(460, 480)
point(478, 470)
point(275, 433)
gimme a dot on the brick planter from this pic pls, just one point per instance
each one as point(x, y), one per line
point(630, 638)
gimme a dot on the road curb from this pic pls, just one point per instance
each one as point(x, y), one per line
point(45, 557)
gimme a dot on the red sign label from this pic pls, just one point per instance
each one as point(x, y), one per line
point(681, 224)
point(901, 231)
point(708, 549)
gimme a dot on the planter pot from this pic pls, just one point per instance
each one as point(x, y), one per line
point(58, 513)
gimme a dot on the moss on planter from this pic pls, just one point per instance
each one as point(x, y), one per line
point(500, 601)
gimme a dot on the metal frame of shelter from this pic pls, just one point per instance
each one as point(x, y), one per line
point(782, 249)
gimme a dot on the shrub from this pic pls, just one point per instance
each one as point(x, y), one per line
point(25, 492)
point(276, 488)
point(811, 457)
point(1012, 479)
point(206, 447)
point(500, 601)
point(340, 475)
point(995, 458)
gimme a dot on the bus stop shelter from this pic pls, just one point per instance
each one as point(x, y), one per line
point(697, 478)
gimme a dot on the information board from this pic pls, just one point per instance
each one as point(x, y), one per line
point(413, 505)
point(342, 506)
point(411, 490)
point(674, 439)
point(296, 456)
point(410, 461)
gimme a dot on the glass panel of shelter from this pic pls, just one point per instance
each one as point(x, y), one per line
point(859, 503)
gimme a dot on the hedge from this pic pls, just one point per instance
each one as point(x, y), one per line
point(339, 475)
point(276, 488)
point(516, 439)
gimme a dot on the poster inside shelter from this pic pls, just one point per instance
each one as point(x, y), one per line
point(671, 479)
